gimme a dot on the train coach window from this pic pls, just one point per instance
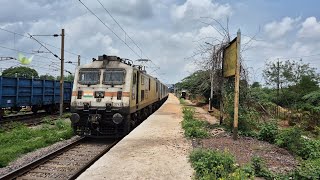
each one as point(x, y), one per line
point(89, 77)
point(149, 84)
point(113, 77)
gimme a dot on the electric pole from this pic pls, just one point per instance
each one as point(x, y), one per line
point(278, 85)
point(236, 89)
point(61, 75)
point(212, 76)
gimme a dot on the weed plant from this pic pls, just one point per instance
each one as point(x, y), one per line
point(210, 164)
point(22, 139)
point(193, 128)
point(182, 101)
point(268, 132)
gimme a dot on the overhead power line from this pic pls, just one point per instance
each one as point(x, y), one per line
point(47, 44)
point(109, 28)
point(44, 47)
point(126, 34)
point(17, 50)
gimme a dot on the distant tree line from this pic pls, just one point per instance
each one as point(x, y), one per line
point(26, 72)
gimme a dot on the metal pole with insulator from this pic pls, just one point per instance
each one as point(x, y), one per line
point(78, 60)
point(61, 75)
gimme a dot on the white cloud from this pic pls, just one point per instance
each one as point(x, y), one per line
point(310, 28)
point(276, 29)
point(167, 32)
point(194, 9)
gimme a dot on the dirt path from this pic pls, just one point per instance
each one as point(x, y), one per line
point(156, 149)
point(202, 114)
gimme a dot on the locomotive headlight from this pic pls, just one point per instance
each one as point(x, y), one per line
point(117, 118)
point(99, 94)
point(74, 103)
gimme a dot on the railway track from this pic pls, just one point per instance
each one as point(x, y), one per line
point(66, 163)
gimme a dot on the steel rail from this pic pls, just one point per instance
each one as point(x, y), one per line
point(86, 166)
point(43, 160)
point(24, 169)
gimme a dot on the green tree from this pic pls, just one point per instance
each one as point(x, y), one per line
point(288, 73)
point(305, 85)
point(69, 78)
point(47, 77)
point(197, 83)
point(20, 71)
point(255, 85)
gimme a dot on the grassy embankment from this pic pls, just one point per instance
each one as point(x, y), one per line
point(20, 139)
point(212, 164)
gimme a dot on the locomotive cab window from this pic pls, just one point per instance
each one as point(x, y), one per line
point(89, 76)
point(114, 76)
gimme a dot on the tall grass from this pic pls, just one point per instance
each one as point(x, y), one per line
point(21, 139)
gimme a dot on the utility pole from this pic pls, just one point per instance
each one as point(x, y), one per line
point(78, 60)
point(212, 75)
point(278, 85)
point(236, 89)
point(221, 94)
point(61, 75)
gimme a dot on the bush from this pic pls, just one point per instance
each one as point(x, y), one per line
point(290, 139)
point(309, 169)
point(260, 168)
point(247, 121)
point(193, 128)
point(309, 149)
point(210, 164)
point(268, 132)
point(240, 174)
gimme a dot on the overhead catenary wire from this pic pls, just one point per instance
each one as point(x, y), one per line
point(45, 47)
point(17, 50)
point(47, 44)
point(44, 57)
point(109, 28)
point(126, 34)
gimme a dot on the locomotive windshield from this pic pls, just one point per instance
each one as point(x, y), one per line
point(89, 77)
point(113, 77)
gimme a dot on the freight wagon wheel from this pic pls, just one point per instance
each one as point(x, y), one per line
point(34, 109)
point(16, 109)
point(1, 113)
point(51, 109)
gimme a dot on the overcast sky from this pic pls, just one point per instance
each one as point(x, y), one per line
point(168, 31)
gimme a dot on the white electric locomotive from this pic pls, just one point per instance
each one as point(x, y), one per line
point(111, 96)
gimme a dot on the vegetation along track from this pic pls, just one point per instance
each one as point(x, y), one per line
point(29, 119)
point(66, 163)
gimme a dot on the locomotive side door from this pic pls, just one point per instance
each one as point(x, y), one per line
point(137, 88)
